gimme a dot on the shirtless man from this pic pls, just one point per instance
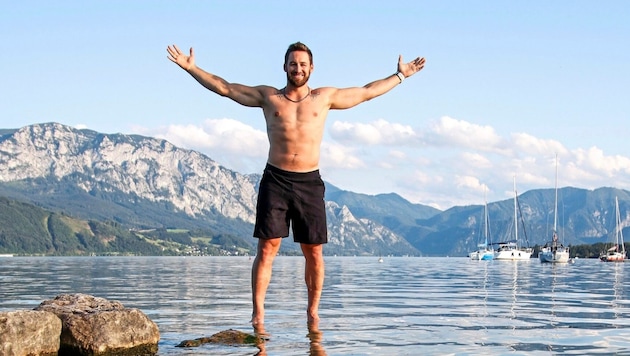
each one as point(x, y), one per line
point(291, 188)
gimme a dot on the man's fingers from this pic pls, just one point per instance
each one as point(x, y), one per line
point(418, 63)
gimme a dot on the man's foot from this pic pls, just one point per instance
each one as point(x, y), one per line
point(312, 318)
point(258, 321)
point(259, 330)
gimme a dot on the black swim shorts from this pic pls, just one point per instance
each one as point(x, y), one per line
point(289, 197)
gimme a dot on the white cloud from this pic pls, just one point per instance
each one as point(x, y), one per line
point(393, 159)
point(475, 160)
point(459, 133)
point(595, 159)
point(469, 182)
point(227, 135)
point(230, 142)
point(396, 154)
point(338, 156)
point(525, 144)
point(379, 132)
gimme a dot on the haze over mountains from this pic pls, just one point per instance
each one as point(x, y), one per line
point(145, 183)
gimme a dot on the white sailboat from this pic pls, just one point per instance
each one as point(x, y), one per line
point(617, 253)
point(554, 252)
point(483, 252)
point(511, 250)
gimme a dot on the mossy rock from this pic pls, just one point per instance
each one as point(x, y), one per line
point(226, 337)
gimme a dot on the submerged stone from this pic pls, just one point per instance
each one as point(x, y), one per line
point(226, 337)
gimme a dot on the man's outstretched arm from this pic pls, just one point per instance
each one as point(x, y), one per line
point(242, 94)
point(349, 97)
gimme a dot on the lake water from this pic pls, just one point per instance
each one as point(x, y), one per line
point(402, 306)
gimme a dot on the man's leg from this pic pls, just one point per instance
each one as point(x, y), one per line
point(261, 276)
point(314, 277)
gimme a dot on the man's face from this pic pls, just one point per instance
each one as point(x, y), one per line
point(298, 68)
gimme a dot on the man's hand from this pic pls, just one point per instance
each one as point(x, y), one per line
point(411, 68)
point(182, 60)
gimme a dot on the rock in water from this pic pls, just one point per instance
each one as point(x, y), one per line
point(96, 326)
point(226, 337)
point(29, 332)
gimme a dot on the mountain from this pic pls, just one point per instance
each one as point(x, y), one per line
point(584, 217)
point(169, 196)
point(146, 183)
point(27, 229)
point(388, 209)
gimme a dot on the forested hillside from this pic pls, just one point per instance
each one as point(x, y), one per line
point(29, 230)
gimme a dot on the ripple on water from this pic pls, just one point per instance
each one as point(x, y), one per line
point(403, 306)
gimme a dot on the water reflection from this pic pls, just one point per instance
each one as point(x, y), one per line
point(553, 297)
point(514, 285)
point(259, 330)
point(315, 337)
point(402, 306)
point(617, 301)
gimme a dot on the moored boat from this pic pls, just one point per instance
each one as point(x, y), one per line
point(511, 250)
point(554, 251)
point(617, 253)
point(483, 252)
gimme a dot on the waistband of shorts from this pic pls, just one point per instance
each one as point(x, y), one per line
point(293, 175)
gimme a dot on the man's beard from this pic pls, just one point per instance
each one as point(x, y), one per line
point(300, 83)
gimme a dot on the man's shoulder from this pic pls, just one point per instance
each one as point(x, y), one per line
point(267, 89)
point(323, 90)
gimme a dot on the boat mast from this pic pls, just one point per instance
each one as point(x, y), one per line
point(485, 217)
point(515, 217)
point(618, 228)
point(555, 211)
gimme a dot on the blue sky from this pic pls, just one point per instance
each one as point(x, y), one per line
point(507, 86)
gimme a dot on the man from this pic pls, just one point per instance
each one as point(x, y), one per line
point(291, 190)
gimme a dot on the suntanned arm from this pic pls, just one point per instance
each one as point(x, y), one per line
point(349, 97)
point(242, 94)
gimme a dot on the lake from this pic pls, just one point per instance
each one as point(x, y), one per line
point(402, 306)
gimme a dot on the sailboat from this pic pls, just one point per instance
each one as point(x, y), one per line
point(553, 252)
point(617, 253)
point(510, 250)
point(483, 252)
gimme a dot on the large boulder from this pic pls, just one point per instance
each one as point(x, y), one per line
point(98, 327)
point(29, 332)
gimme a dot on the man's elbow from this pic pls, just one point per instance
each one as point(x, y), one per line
point(222, 91)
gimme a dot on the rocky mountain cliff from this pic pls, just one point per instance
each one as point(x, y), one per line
point(142, 182)
point(142, 167)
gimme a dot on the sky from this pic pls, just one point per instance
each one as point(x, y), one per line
point(508, 86)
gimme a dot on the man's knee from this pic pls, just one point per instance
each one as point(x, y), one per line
point(312, 251)
point(268, 248)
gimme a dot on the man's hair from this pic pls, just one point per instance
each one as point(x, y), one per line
point(298, 46)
